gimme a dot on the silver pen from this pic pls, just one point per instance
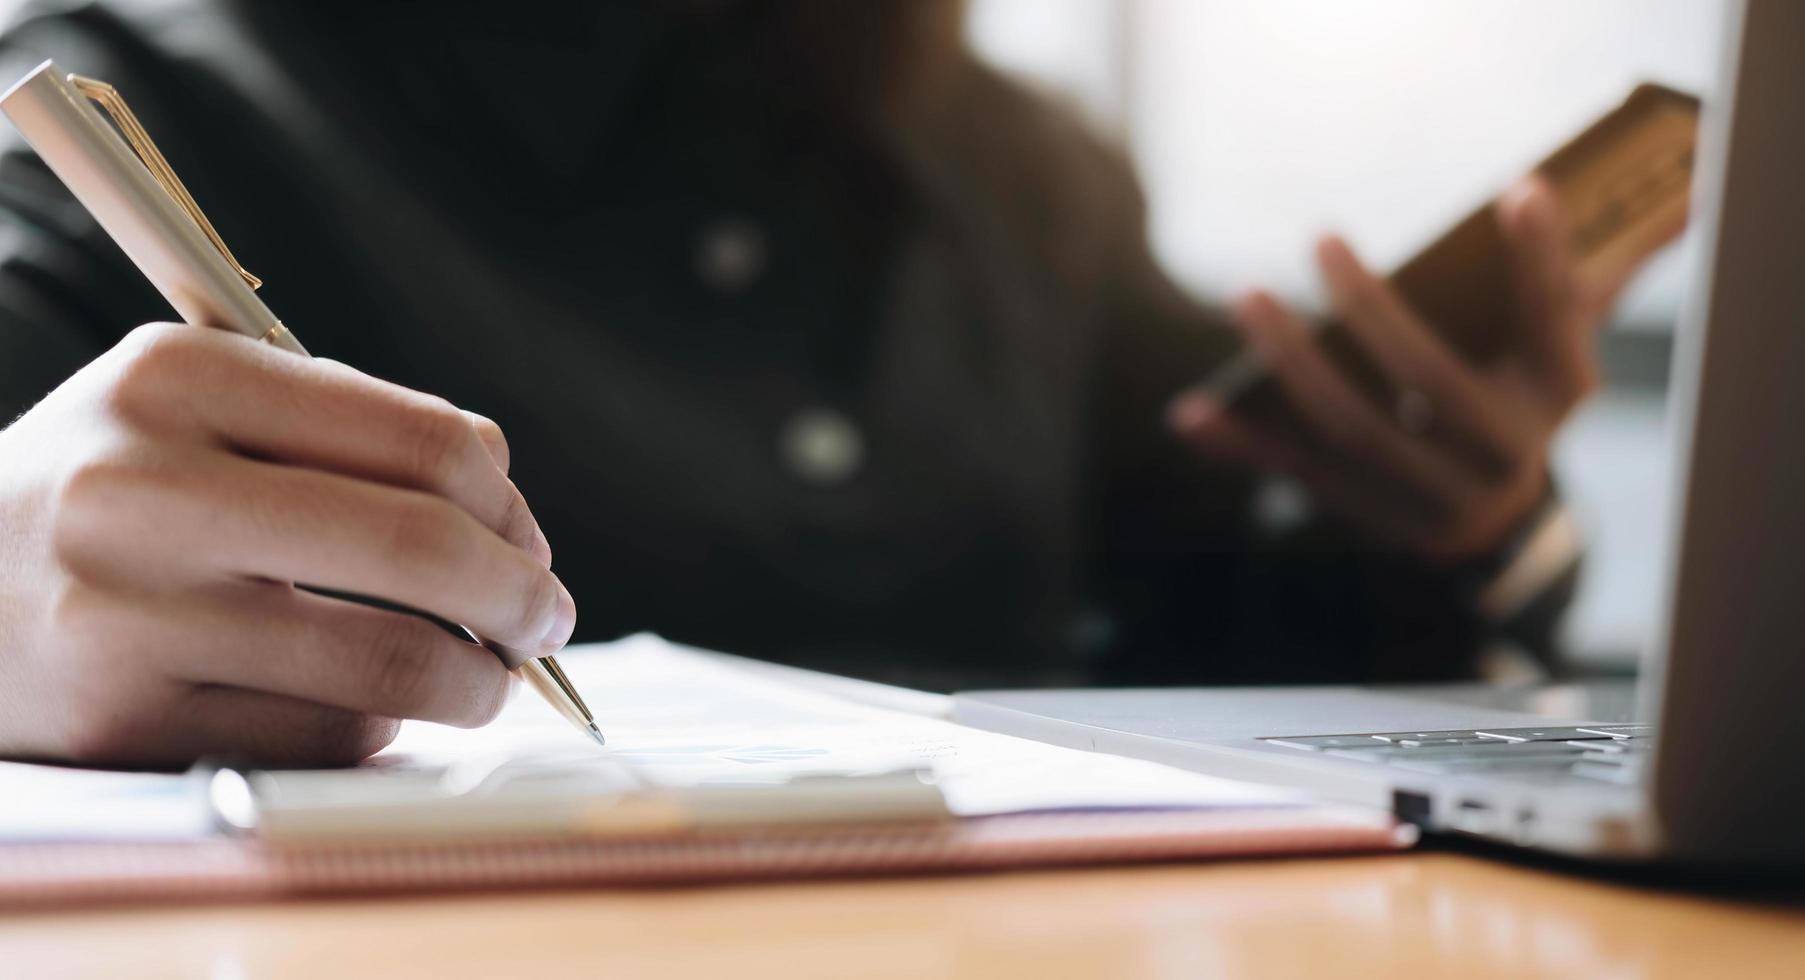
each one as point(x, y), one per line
point(131, 191)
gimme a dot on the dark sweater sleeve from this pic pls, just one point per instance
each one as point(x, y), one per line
point(67, 293)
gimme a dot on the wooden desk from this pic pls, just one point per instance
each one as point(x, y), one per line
point(1421, 915)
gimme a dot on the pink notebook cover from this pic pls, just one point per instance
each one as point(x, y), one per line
point(53, 874)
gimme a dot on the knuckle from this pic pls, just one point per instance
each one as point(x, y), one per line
point(95, 482)
point(77, 616)
point(146, 359)
point(422, 534)
point(155, 339)
point(86, 502)
point(516, 522)
point(436, 441)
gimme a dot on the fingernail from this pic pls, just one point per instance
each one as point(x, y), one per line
point(1191, 411)
point(1530, 198)
point(1336, 259)
point(1334, 265)
point(564, 623)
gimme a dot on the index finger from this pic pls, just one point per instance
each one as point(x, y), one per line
point(1548, 287)
point(321, 414)
point(1411, 355)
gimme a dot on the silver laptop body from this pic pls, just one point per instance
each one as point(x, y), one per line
point(1706, 763)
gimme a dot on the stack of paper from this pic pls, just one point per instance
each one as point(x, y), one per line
point(678, 721)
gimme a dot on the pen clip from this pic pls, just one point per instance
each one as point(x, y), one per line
point(109, 99)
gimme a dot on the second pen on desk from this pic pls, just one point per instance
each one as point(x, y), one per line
point(134, 194)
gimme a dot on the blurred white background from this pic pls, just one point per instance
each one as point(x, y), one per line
point(1258, 125)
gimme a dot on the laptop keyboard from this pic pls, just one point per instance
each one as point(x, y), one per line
point(1608, 753)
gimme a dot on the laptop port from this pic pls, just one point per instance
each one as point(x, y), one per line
point(1526, 827)
point(1475, 817)
point(1411, 807)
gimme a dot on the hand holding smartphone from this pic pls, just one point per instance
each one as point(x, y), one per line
point(1424, 411)
point(1623, 186)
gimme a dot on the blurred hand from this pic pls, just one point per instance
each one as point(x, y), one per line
point(155, 511)
point(1463, 459)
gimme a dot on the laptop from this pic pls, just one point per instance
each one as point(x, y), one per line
point(1704, 762)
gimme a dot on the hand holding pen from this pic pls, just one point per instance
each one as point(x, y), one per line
point(181, 485)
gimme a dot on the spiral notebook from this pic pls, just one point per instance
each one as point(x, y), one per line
point(733, 770)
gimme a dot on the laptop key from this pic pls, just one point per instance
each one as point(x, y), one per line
point(1317, 743)
point(1620, 731)
point(1419, 739)
point(1541, 734)
point(1443, 736)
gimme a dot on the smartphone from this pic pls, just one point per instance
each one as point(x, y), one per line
point(1623, 186)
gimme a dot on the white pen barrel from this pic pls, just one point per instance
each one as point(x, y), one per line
point(83, 149)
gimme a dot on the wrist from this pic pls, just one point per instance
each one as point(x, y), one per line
point(1538, 553)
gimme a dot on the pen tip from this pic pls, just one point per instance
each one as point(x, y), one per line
point(596, 733)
